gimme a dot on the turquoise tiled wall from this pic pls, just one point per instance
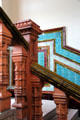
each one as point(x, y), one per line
point(68, 74)
point(58, 48)
point(64, 56)
point(41, 58)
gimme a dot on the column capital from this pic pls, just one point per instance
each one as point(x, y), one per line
point(28, 27)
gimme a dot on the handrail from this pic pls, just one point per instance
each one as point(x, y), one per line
point(63, 84)
point(16, 33)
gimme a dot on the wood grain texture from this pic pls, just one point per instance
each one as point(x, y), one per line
point(46, 75)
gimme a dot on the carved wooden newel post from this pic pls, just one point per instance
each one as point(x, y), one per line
point(61, 101)
point(19, 59)
point(30, 31)
point(5, 40)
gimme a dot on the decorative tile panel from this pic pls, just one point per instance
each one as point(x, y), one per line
point(46, 48)
point(67, 72)
point(59, 51)
point(41, 58)
point(58, 46)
